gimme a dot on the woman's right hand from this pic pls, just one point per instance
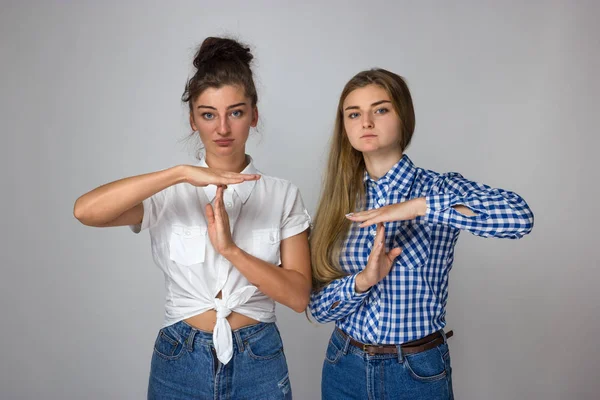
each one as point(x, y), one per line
point(200, 176)
point(379, 263)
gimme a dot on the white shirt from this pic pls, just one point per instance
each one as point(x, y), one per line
point(261, 214)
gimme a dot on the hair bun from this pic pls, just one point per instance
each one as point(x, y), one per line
point(214, 50)
point(219, 62)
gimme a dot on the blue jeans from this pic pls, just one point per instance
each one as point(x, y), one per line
point(350, 373)
point(185, 366)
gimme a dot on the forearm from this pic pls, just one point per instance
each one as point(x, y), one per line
point(494, 213)
point(362, 283)
point(421, 208)
point(107, 202)
point(285, 286)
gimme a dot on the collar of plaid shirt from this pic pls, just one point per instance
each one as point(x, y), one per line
point(400, 177)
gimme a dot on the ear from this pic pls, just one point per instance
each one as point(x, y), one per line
point(192, 123)
point(254, 117)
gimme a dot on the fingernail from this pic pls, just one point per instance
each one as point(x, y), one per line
point(349, 214)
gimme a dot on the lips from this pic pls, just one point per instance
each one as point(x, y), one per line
point(224, 142)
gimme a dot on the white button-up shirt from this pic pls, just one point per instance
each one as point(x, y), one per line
point(261, 214)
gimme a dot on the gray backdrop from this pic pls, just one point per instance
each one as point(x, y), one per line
point(505, 93)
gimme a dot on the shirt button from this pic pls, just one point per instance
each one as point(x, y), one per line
point(229, 205)
point(188, 233)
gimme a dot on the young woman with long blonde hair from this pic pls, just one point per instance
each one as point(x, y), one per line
point(383, 246)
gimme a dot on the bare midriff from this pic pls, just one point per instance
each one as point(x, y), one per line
point(208, 319)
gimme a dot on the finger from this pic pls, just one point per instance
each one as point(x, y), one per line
point(362, 218)
point(221, 180)
point(221, 190)
point(362, 214)
point(251, 177)
point(243, 177)
point(222, 216)
point(380, 236)
point(395, 252)
point(375, 254)
point(210, 215)
point(219, 201)
point(375, 220)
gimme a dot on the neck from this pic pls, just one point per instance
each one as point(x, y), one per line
point(380, 162)
point(232, 163)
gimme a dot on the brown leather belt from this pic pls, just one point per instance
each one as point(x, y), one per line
point(415, 346)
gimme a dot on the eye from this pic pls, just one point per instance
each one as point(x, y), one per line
point(208, 115)
point(237, 113)
point(382, 110)
point(353, 115)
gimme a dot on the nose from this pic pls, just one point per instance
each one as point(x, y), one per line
point(367, 120)
point(223, 128)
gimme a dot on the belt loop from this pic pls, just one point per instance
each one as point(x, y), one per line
point(444, 335)
point(239, 341)
point(189, 342)
point(400, 355)
point(346, 343)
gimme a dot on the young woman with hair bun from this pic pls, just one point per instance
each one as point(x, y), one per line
point(229, 240)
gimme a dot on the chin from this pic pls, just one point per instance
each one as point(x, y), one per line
point(367, 148)
point(225, 151)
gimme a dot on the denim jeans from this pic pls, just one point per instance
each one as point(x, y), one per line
point(350, 373)
point(185, 366)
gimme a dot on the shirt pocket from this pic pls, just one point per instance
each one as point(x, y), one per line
point(414, 239)
point(187, 244)
point(266, 245)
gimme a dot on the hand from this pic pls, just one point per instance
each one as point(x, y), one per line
point(200, 176)
point(404, 211)
point(219, 231)
point(379, 263)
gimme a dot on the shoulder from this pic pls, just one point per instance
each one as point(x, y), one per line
point(427, 179)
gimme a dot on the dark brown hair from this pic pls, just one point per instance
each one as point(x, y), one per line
point(220, 62)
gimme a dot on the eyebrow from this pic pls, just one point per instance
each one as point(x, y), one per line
point(230, 107)
point(372, 105)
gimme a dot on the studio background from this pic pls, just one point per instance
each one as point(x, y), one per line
point(505, 93)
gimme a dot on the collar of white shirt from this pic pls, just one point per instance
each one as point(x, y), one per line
point(243, 189)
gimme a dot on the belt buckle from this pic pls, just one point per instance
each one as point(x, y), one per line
point(368, 348)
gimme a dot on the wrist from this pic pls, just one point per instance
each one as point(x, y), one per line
point(361, 284)
point(231, 252)
point(421, 206)
point(180, 173)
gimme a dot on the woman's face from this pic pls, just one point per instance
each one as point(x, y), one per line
point(223, 117)
point(371, 121)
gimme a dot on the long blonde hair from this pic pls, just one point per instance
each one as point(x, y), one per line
point(343, 188)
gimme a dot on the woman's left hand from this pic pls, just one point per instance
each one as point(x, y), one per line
point(404, 211)
point(218, 225)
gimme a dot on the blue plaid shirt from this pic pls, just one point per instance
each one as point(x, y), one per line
point(410, 302)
